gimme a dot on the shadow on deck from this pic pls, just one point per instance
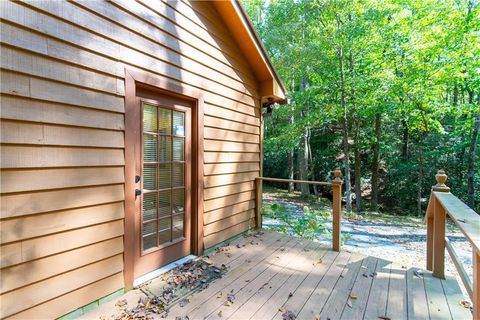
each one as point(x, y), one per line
point(275, 276)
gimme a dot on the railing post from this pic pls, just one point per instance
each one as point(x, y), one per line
point(337, 210)
point(476, 284)
point(439, 217)
point(430, 236)
point(258, 202)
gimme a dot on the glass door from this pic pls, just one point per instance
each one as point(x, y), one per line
point(164, 141)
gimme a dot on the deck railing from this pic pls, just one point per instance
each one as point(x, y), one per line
point(336, 185)
point(441, 204)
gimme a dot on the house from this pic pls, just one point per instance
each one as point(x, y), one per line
point(131, 138)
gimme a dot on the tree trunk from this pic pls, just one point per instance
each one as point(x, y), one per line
point(310, 159)
point(291, 166)
point(346, 159)
point(405, 138)
point(471, 160)
point(358, 173)
point(376, 160)
point(356, 150)
point(420, 180)
point(291, 185)
point(303, 162)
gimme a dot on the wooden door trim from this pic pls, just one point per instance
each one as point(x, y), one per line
point(134, 79)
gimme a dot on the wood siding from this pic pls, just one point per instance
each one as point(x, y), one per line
point(62, 134)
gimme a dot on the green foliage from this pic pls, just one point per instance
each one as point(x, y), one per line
point(417, 63)
point(309, 225)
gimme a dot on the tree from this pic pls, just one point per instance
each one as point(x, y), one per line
point(387, 85)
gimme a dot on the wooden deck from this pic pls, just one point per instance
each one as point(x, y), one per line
point(273, 274)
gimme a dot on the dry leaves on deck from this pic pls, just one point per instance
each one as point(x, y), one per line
point(142, 311)
point(175, 285)
point(287, 314)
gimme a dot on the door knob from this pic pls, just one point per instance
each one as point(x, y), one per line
point(138, 192)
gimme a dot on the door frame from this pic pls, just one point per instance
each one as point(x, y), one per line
point(165, 86)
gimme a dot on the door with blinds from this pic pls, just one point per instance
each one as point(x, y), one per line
point(163, 194)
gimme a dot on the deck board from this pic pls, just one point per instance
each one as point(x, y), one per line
point(360, 290)
point(417, 306)
point(340, 296)
point(255, 301)
point(272, 273)
point(397, 293)
point(377, 300)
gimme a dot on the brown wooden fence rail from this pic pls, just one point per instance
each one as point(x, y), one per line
point(336, 185)
point(441, 204)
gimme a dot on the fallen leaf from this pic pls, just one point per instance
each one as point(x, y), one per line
point(384, 318)
point(121, 303)
point(288, 315)
point(230, 298)
point(318, 261)
point(466, 304)
point(282, 309)
point(317, 317)
point(227, 303)
point(219, 313)
point(290, 295)
point(182, 303)
point(219, 295)
point(263, 286)
point(353, 297)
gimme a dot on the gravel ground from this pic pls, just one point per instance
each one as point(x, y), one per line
point(404, 243)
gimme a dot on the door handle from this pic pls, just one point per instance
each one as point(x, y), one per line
point(138, 193)
point(137, 179)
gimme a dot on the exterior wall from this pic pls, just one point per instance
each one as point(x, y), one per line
point(62, 135)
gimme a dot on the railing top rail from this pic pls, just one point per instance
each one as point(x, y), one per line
point(321, 183)
point(467, 220)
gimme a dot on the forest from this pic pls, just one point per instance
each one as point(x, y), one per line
point(388, 91)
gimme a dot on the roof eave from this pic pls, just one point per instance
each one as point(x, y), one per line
point(239, 25)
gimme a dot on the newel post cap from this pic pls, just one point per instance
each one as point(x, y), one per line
point(441, 178)
point(338, 175)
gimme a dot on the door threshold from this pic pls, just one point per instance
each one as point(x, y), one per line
point(155, 273)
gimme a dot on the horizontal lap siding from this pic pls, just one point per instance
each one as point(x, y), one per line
point(62, 138)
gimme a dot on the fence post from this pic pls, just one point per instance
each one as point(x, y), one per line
point(258, 202)
point(337, 209)
point(439, 217)
point(476, 284)
point(430, 236)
